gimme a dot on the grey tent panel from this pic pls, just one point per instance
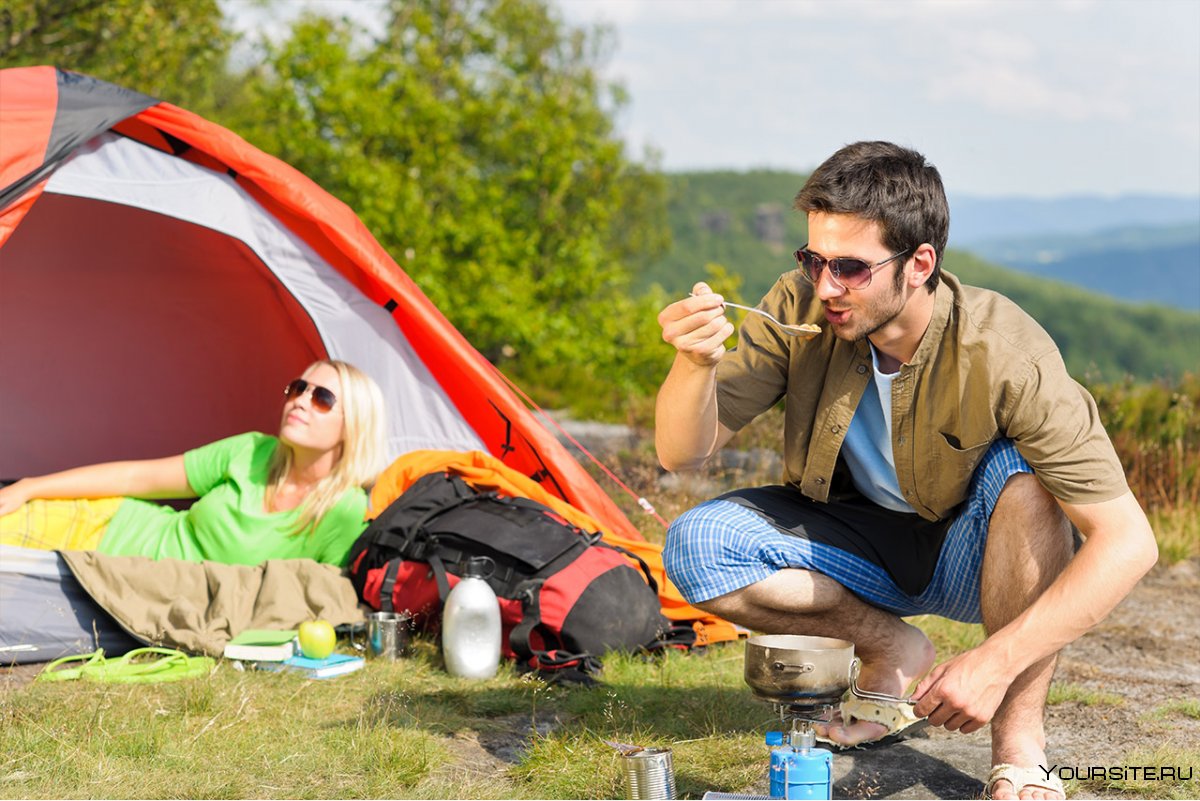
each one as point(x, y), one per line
point(45, 613)
point(86, 107)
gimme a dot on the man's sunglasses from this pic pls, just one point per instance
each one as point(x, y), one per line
point(846, 273)
point(322, 399)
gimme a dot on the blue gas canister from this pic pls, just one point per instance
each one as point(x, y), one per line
point(803, 772)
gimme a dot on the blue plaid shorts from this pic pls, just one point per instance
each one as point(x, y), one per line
point(720, 546)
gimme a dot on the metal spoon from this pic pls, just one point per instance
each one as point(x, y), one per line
point(804, 329)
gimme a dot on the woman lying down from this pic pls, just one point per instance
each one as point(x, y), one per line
point(298, 495)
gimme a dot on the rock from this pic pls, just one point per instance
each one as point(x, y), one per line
point(598, 438)
point(756, 461)
point(696, 484)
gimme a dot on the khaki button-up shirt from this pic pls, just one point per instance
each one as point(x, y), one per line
point(984, 370)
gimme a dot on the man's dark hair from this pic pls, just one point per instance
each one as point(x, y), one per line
point(887, 184)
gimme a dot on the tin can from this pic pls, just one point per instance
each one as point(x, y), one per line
point(649, 774)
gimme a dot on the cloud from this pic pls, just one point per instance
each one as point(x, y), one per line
point(1070, 95)
point(1022, 92)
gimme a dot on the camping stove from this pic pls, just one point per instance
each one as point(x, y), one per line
point(803, 678)
point(798, 769)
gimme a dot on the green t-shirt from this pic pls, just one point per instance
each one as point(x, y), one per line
point(229, 522)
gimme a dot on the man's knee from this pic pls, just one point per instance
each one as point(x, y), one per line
point(1029, 520)
point(1024, 498)
point(685, 538)
point(705, 551)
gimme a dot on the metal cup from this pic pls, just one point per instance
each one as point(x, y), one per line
point(387, 634)
point(649, 774)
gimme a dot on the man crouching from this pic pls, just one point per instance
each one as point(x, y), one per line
point(936, 453)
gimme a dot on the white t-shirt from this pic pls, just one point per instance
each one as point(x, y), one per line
point(868, 445)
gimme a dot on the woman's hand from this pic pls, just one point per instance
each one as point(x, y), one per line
point(13, 497)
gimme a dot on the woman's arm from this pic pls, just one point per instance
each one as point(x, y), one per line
point(144, 478)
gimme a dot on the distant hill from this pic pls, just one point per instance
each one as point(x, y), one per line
point(1100, 337)
point(975, 219)
point(1141, 264)
point(744, 222)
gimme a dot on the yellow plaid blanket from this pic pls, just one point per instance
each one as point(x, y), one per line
point(74, 524)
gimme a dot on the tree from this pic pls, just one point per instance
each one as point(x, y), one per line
point(473, 137)
point(174, 50)
point(475, 140)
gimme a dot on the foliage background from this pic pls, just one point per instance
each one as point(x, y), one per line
point(475, 139)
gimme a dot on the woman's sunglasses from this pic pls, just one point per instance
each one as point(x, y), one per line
point(322, 399)
point(846, 273)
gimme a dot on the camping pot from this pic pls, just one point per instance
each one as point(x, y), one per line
point(791, 668)
point(798, 670)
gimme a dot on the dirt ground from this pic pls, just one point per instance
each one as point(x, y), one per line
point(1147, 654)
point(1143, 658)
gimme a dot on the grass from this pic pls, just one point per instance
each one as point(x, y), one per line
point(393, 730)
point(1064, 693)
point(1124, 782)
point(408, 730)
point(1177, 530)
point(270, 735)
point(948, 636)
point(1184, 707)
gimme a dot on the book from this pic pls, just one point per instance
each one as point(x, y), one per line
point(262, 645)
point(332, 665)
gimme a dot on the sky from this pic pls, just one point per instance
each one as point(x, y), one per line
point(1041, 98)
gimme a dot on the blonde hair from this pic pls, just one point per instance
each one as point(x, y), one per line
point(363, 455)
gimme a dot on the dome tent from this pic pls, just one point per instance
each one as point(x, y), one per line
point(161, 280)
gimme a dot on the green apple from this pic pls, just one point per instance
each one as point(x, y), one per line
point(317, 639)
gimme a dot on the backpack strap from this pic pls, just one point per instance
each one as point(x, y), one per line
point(641, 563)
point(385, 532)
point(389, 583)
point(412, 542)
point(439, 575)
point(519, 639)
point(528, 593)
point(675, 635)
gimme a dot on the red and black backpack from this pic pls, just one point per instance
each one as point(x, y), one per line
point(565, 595)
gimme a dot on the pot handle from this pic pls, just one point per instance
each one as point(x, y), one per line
point(855, 665)
point(803, 667)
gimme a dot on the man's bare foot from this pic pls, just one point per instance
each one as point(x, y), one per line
point(890, 669)
point(1025, 753)
point(1003, 789)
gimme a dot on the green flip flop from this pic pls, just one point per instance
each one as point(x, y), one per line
point(133, 668)
point(55, 672)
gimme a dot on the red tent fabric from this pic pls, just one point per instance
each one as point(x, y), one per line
point(161, 280)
